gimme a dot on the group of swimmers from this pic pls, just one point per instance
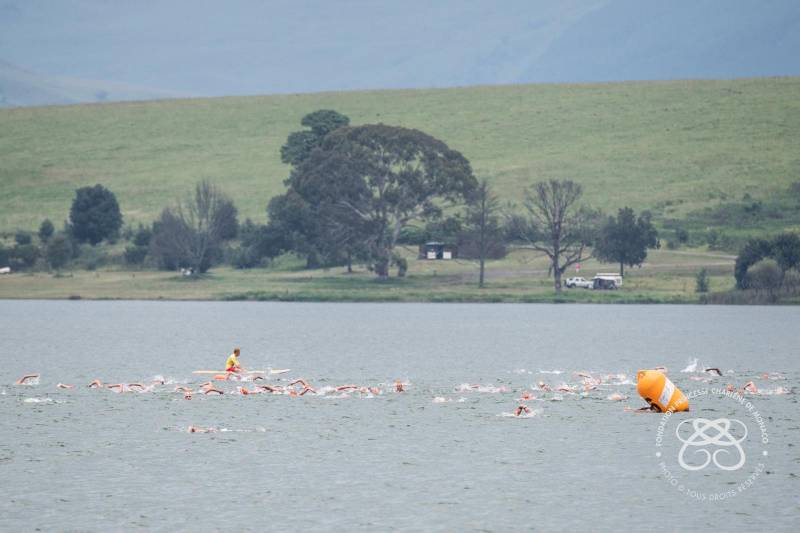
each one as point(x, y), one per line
point(301, 387)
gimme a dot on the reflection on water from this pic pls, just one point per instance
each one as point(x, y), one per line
point(448, 453)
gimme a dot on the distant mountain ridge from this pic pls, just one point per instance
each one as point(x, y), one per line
point(20, 87)
point(206, 48)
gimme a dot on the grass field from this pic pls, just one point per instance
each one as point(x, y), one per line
point(667, 277)
point(673, 147)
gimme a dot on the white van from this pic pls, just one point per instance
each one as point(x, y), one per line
point(610, 281)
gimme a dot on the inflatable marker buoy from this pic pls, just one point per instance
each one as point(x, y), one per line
point(660, 392)
point(221, 377)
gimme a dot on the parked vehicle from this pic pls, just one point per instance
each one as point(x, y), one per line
point(579, 282)
point(607, 281)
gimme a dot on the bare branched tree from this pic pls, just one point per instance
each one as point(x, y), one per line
point(189, 234)
point(483, 224)
point(556, 225)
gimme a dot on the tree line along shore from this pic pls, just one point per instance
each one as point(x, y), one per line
point(362, 201)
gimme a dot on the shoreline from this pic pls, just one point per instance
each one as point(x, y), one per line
point(668, 277)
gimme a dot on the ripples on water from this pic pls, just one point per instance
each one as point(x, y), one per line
point(447, 454)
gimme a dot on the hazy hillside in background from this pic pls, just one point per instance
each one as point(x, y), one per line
point(19, 87)
point(206, 48)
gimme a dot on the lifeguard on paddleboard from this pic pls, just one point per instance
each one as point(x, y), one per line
point(233, 367)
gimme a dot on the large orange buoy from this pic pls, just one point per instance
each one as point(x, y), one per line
point(659, 391)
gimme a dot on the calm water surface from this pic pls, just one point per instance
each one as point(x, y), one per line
point(443, 456)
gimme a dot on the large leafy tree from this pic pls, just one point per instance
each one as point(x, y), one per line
point(556, 225)
point(300, 143)
point(626, 238)
point(94, 214)
point(375, 179)
point(303, 230)
point(784, 249)
point(297, 218)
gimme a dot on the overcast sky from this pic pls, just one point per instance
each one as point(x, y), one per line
point(199, 47)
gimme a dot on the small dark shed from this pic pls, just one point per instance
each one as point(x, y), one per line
point(437, 250)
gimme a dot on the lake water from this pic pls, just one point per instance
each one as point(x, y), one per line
point(442, 456)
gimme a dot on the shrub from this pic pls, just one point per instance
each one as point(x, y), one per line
point(244, 257)
point(263, 241)
point(402, 266)
point(46, 230)
point(701, 281)
point(791, 281)
point(142, 236)
point(712, 238)
point(22, 238)
point(23, 256)
point(95, 214)
point(59, 251)
point(765, 276)
point(681, 235)
point(91, 257)
point(135, 255)
point(4, 256)
point(786, 250)
point(753, 251)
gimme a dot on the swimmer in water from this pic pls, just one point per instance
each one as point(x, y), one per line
point(398, 386)
point(750, 387)
point(274, 389)
point(714, 370)
point(65, 386)
point(96, 384)
point(651, 409)
point(527, 396)
point(198, 429)
point(116, 387)
point(522, 408)
point(616, 397)
point(136, 386)
point(305, 385)
point(26, 377)
point(544, 386)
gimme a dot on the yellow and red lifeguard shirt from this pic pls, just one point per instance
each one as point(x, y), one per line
point(232, 363)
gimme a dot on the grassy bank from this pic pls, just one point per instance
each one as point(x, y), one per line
point(672, 147)
point(667, 277)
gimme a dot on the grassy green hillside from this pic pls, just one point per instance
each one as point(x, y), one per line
point(674, 147)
